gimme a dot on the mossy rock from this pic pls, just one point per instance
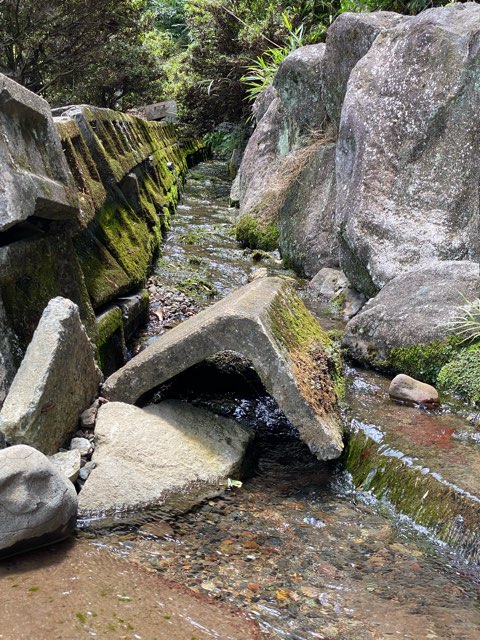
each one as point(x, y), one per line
point(256, 235)
point(461, 375)
point(111, 350)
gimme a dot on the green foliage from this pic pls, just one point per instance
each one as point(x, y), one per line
point(467, 324)
point(462, 374)
point(409, 7)
point(80, 50)
point(251, 233)
point(261, 73)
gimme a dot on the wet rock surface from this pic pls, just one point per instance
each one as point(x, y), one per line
point(38, 504)
point(171, 454)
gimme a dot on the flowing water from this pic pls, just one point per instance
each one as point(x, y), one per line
point(296, 547)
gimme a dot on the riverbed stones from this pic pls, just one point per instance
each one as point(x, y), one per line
point(38, 505)
point(407, 158)
point(57, 380)
point(171, 455)
point(412, 312)
point(267, 323)
point(411, 391)
point(35, 179)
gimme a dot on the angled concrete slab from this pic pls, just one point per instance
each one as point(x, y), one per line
point(267, 323)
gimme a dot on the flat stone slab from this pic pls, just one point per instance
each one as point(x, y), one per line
point(171, 455)
point(34, 179)
point(267, 323)
point(57, 380)
point(80, 590)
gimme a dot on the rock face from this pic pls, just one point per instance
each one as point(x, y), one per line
point(268, 324)
point(297, 82)
point(348, 40)
point(306, 220)
point(56, 381)
point(411, 391)
point(412, 310)
point(331, 289)
point(407, 159)
point(171, 455)
point(287, 175)
point(35, 177)
point(37, 504)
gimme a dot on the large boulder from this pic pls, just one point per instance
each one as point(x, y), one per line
point(348, 40)
point(407, 158)
point(171, 455)
point(268, 324)
point(306, 219)
point(297, 82)
point(408, 327)
point(38, 505)
point(35, 179)
point(57, 380)
point(286, 182)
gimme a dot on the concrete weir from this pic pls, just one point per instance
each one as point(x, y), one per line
point(267, 323)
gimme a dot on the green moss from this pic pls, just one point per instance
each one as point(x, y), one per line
point(197, 287)
point(110, 342)
point(422, 361)
point(251, 233)
point(316, 358)
point(433, 504)
point(461, 375)
point(193, 236)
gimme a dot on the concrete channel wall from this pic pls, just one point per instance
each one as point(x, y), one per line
point(85, 197)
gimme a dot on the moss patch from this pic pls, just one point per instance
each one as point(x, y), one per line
point(422, 361)
point(462, 374)
point(251, 233)
point(433, 504)
point(110, 343)
point(315, 357)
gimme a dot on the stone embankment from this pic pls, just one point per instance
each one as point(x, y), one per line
point(85, 199)
point(365, 159)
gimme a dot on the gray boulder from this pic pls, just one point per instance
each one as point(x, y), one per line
point(172, 455)
point(267, 323)
point(297, 82)
point(35, 179)
point(57, 380)
point(407, 159)
point(411, 312)
point(259, 163)
point(263, 101)
point(37, 504)
point(348, 40)
point(306, 219)
point(68, 463)
point(330, 290)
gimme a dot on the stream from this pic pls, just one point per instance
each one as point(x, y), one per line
point(296, 547)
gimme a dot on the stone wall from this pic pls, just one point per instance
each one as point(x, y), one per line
point(85, 198)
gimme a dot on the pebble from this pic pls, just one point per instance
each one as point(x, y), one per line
point(83, 445)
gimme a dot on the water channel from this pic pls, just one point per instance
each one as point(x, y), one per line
point(296, 547)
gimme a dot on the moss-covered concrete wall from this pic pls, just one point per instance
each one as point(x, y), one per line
point(127, 173)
